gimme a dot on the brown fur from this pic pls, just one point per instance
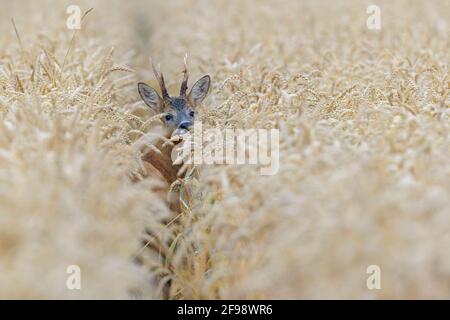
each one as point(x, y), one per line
point(158, 163)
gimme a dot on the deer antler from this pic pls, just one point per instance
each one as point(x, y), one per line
point(184, 84)
point(159, 76)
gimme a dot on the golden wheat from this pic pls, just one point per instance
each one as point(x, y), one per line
point(364, 174)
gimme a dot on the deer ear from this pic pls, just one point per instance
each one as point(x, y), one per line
point(200, 90)
point(149, 95)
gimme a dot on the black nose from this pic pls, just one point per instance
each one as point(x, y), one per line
point(185, 125)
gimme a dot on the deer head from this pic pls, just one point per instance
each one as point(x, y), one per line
point(179, 112)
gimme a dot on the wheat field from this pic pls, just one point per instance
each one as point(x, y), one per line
point(364, 175)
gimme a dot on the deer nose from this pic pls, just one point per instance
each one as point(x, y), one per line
point(185, 125)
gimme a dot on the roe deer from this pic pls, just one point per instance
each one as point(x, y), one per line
point(178, 115)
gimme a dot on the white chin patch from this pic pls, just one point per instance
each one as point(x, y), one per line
point(179, 132)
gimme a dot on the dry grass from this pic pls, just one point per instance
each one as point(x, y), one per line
point(364, 173)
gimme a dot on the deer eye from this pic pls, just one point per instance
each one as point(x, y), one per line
point(192, 114)
point(168, 117)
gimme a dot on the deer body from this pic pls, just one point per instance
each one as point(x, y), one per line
point(178, 115)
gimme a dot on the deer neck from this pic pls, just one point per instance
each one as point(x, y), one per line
point(160, 157)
